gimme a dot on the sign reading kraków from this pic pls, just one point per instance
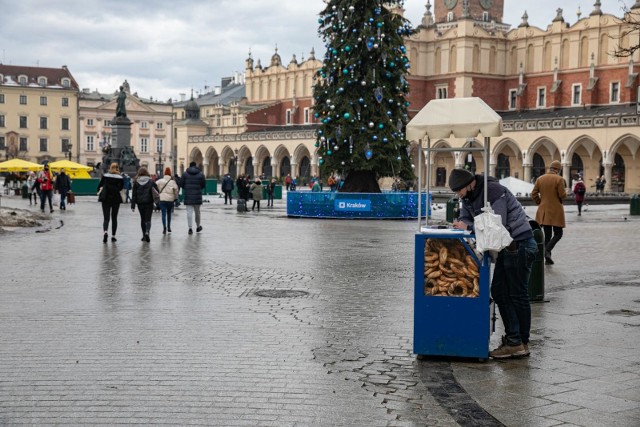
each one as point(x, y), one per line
point(346, 205)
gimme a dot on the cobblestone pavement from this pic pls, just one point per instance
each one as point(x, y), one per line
point(265, 320)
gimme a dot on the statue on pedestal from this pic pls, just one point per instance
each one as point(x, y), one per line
point(121, 110)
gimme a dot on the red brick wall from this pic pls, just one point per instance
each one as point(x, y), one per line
point(492, 91)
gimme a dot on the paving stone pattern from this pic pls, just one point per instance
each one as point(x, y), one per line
point(265, 320)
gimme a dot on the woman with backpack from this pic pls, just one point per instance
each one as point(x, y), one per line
point(579, 192)
point(143, 188)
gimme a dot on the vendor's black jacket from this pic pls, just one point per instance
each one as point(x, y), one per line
point(503, 203)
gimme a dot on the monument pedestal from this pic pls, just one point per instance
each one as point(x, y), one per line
point(120, 150)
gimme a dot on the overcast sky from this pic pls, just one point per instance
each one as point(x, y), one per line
point(166, 47)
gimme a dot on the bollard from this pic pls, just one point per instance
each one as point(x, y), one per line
point(536, 280)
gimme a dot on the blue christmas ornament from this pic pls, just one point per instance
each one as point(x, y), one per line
point(361, 100)
point(374, 137)
point(347, 116)
point(368, 153)
point(345, 71)
point(385, 140)
point(321, 161)
point(381, 126)
point(347, 48)
point(320, 132)
point(329, 152)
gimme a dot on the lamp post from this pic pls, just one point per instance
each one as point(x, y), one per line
point(159, 168)
point(235, 160)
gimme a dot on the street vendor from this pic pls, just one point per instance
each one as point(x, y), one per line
point(509, 286)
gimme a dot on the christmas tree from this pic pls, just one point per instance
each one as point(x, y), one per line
point(360, 93)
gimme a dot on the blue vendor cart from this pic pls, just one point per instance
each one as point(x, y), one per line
point(452, 281)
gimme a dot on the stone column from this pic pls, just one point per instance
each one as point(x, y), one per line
point(528, 170)
point(608, 172)
point(256, 172)
point(294, 170)
point(222, 166)
point(566, 174)
point(274, 168)
point(205, 167)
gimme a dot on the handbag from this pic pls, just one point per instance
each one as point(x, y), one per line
point(155, 195)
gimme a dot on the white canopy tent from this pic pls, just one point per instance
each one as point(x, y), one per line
point(458, 117)
point(516, 185)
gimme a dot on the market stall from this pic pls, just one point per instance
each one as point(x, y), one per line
point(452, 280)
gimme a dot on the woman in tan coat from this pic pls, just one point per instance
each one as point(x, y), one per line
point(548, 193)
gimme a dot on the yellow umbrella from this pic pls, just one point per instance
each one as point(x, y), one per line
point(19, 165)
point(73, 169)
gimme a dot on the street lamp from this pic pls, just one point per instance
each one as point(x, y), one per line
point(159, 167)
point(235, 160)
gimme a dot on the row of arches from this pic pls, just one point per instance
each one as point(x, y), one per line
point(276, 163)
point(583, 158)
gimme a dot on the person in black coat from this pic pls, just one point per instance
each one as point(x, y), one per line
point(227, 188)
point(192, 183)
point(109, 195)
point(142, 197)
point(63, 186)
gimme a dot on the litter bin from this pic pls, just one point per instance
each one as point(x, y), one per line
point(634, 208)
point(536, 280)
point(25, 191)
point(453, 209)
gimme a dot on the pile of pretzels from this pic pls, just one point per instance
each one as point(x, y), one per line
point(449, 270)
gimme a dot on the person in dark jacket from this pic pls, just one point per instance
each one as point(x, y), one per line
point(271, 189)
point(63, 186)
point(227, 188)
point(142, 196)
point(509, 286)
point(192, 183)
point(109, 195)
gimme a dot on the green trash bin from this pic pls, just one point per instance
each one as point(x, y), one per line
point(634, 208)
point(536, 280)
point(453, 209)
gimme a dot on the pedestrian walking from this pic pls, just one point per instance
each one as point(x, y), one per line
point(256, 192)
point(548, 193)
point(142, 197)
point(32, 188)
point(288, 181)
point(271, 189)
point(45, 182)
point(127, 188)
point(579, 192)
point(227, 188)
point(63, 186)
point(110, 197)
point(168, 189)
point(192, 183)
point(509, 285)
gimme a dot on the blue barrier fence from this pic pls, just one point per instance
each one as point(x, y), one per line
point(331, 204)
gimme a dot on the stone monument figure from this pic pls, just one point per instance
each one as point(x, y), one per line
point(121, 110)
point(120, 150)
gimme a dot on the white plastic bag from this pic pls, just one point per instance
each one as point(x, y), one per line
point(491, 235)
point(56, 199)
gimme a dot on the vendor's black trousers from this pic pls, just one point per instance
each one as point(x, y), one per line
point(552, 235)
